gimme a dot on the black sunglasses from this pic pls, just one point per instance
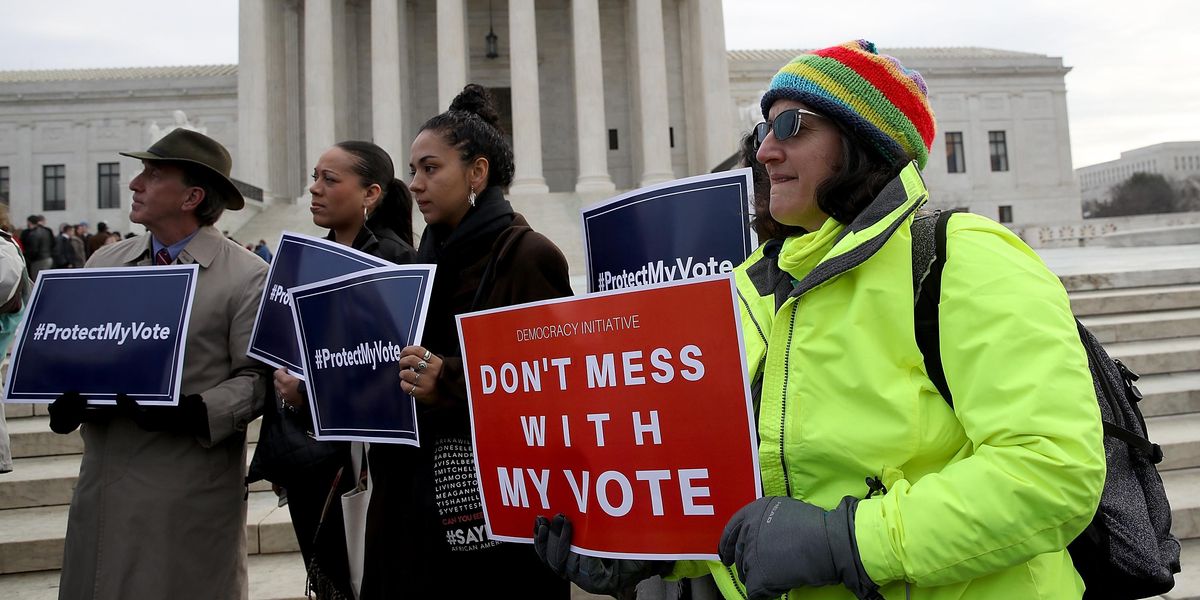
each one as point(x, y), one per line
point(785, 125)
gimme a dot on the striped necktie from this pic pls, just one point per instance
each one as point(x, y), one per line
point(162, 257)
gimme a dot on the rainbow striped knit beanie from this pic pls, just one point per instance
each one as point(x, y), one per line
point(871, 94)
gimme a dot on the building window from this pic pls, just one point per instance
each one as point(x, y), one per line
point(4, 185)
point(998, 148)
point(671, 133)
point(54, 187)
point(612, 139)
point(108, 186)
point(956, 158)
point(1006, 214)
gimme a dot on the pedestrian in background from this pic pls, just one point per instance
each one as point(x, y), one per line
point(98, 239)
point(38, 243)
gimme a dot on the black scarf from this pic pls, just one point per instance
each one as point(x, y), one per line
point(474, 235)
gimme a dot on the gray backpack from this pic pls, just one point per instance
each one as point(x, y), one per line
point(1127, 551)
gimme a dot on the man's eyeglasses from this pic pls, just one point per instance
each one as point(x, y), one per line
point(785, 125)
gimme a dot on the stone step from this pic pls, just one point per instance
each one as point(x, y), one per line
point(50, 481)
point(1134, 278)
point(1183, 491)
point(1156, 325)
point(39, 481)
point(1179, 437)
point(272, 577)
point(1187, 583)
point(1170, 393)
point(31, 539)
point(18, 410)
point(1148, 357)
point(31, 436)
point(1167, 297)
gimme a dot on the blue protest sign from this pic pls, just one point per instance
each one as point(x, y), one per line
point(103, 332)
point(351, 331)
point(299, 260)
point(685, 228)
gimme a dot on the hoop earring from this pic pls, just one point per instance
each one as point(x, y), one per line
point(471, 196)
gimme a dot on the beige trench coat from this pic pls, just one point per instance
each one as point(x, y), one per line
point(163, 515)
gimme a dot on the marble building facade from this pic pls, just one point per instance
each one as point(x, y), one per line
point(577, 79)
point(576, 82)
point(68, 125)
point(1175, 161)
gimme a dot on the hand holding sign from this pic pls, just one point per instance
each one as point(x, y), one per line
point(591, 407)
point(127, 338)
point(353, 331)
point(552, 542)
point(419, 370)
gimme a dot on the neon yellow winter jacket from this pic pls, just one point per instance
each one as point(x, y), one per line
point(981, 499)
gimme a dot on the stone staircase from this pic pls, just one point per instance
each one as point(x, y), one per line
point(269, 222)
point(34, 499)
point(1154, 328)
point(1148, 319)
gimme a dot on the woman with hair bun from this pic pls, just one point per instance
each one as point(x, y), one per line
point(425, 528)
point(356, 196)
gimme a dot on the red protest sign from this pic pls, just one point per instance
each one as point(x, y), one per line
point(629, 412)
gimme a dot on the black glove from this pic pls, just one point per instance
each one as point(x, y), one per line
point(780, 543)
point(67, 412)
point(190, 416)
point(552, 542)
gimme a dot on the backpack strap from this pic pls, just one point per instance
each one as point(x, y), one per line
point(928, 293)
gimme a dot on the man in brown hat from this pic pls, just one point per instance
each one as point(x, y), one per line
point(159, 510)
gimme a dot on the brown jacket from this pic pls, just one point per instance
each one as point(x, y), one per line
point(163, 514)
point(526, 267)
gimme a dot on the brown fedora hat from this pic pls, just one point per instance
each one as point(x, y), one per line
point(187, 146)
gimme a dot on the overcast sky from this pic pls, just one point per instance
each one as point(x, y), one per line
point(1135, 76)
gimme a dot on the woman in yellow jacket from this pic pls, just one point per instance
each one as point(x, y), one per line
point(978, 500)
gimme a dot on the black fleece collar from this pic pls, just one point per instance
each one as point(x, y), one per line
point(491, 214)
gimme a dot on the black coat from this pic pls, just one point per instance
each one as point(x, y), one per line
point(287, 456)
point(38, 243)
point(424, 534)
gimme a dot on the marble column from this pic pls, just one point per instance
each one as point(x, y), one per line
point(260, 77)
point(527, 119)
point(24, 185)
point(651, 58)
point(319, 94)
point(389, 67)
point(590, 127)
point(451, 50)
point(714, 137)
point(81, 176)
